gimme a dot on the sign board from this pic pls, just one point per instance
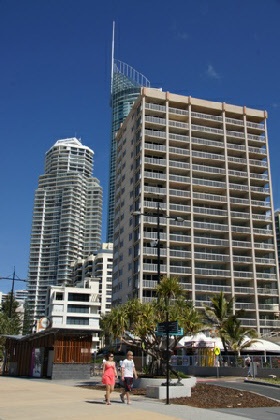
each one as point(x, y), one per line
point(172, 328)
point(217, 351)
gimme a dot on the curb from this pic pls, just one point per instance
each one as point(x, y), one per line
point(262, 383)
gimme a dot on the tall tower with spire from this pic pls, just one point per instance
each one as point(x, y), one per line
point(126, 85)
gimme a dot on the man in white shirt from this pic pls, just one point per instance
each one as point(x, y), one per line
point(128, 370)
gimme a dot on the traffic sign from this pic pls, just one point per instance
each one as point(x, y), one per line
point(217, 351)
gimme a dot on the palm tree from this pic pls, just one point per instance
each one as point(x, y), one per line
point(169, 290)
point(218, 313)
point(238, 337)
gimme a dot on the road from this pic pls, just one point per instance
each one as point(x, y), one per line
point(263, 413)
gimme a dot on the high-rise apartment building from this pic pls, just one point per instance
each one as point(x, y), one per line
point(67, 219)
point(99, 266)
point(126, 85)
point(208, 164)
point(277, 229)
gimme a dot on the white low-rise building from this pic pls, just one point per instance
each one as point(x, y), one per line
point(75, 308)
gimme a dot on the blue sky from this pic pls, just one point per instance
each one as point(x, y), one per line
point(55, 78)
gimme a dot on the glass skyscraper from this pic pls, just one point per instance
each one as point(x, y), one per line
point(126, 85)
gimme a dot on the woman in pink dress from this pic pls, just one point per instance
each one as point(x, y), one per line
point(109, 375)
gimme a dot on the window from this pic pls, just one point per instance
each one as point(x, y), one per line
point(130, 237)
point(78, 297)
point(83, 309)
point(59, 296)
point(77, 321)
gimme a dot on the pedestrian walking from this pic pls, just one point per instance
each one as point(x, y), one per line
point(248, 364)
point(109, 375)
point(128, 371)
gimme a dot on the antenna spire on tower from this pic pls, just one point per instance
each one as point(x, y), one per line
point(112, 59)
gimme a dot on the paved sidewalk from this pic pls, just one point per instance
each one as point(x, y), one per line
point(24, 399)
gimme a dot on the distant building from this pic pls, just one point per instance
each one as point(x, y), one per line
point(126, 85)
point(75, 308)
point(21, 294)
point(97, 266)
point(67, 219)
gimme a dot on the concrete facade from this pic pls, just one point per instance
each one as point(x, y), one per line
point(75, 308)
point(207, 163)
point(98, 266)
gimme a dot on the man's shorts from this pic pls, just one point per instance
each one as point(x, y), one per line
point(128, 384)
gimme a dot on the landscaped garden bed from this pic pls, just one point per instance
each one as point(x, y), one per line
point(211, 396)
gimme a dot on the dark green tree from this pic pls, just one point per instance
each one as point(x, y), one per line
point(27, 320)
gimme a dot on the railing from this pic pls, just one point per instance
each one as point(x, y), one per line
point(209, 211)
point(240, 229)
point(155, 133)
point(210, 256)
point(259, 176)
point(175, 164)
point(178, 124)
point(265, 261)
point(155, 190)
point(150, 219)
point(207, 183)
point(264, 362)
point(205, 155)
point(261, 217)
point(180, 207)
point(244, 290)
point(179, 238)
point(211, 226)
point(156, 147)
point(236, 146)
point(178, 111)
point(207, 116)
point(257, 150)
point(238, 187)
point(154, 267)
point(244, 305)
point(180, 270)
point(241, 244)
point(179, 151)
point(260, 203)
point(155, 107)
point(248, 322)
point(237, 173)
point(212, 288)
point(262, 245)
point(234, 121)
point(153, 235)
point(267, 291)
point(179, 193)
point(180, 254)
point(253, 137)
point(237, 160)
point(210, 241)
point(235, 134)
point(153, 205)
point(255, 162)
point(263, 231)
point(155, 161)
point(205, 142)
point(237, 258)
point(149, 250)
point(210, 169)
point(179, 137)
point(210, 197)
point(270, 276)
point(178, 178)
point(239, 200)
point(211, 272)
point(264, 190)
point(268, 307)
point(207, 129)
point(243, 274)
point(154, 175)
point(269, 323)
point(155, 120)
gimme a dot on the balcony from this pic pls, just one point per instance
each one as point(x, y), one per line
point(257, 150)
point(244, 305)
point(155, 133)
point(236, 134)
point(153, 205)
point(238, 173)
point(267, 291)
point(248, 322)
point(179, 137)
point(205, 142)
point(236, 146)
point(241, 244)
point(155, 107)
point(244, 290)
point(207, 116)
point(179, 193)
point(179, 151)
point(210, 211)
point(234, 121)
point(269, 307)
point(270, 323)
point(157, 147)
point(153, 235)
point(258, 203)
point(240, 229)
point(237, 200)
point(212, 272)
point(260, 190)
point(237, 160)
point(179, 165)
point(211, 226)
point(155, 190)
point(256, 125)
point(209, 169)
point(211, 257)
point(208, 183)
point(179, 207)
point(209, 197)
point(242, 259)
point(259, 176)
point(263, 231)
point(238, 187)
point(180, 270)
point(254, 162)
point(270, 276)
point(179, 238)
point(153, 268)
point(153, 161)
point(212, 288)
point(265, 261)
point(204, 129)
point(243, 274)
point(155, 120)
point(179, 254)
point(256, 138)
point(210, 241)
point(178, 124)
point(154, 175)
point(262, 217)
point(262, 245)
point(149, 250)
point(178, 178)
point(209, 156)
point(178, 111)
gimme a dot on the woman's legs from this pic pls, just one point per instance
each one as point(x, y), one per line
point(108, 389)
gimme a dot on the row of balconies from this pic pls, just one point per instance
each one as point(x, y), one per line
point(182, 112)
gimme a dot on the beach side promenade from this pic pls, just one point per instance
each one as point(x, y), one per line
point(31, 399)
